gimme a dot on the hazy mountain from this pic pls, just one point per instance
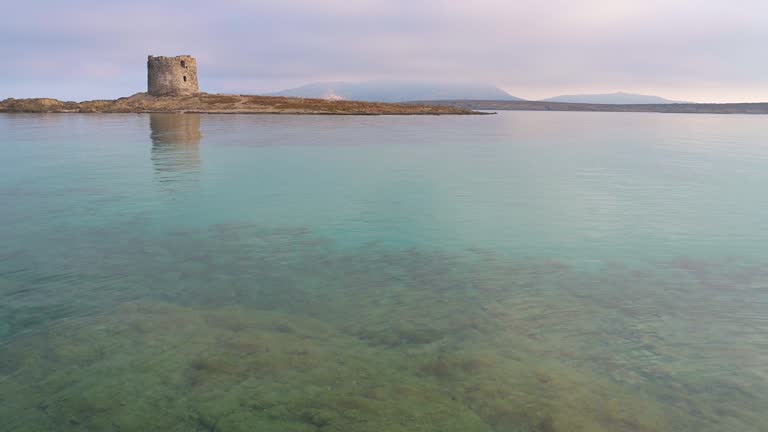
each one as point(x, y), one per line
point(611, 98)
point(397, 91)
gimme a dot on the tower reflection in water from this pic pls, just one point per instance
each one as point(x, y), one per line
point(175, 146)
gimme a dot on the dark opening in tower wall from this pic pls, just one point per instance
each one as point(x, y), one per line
point(183, 64)
point(185, 78)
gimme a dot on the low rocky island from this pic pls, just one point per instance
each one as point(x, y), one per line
point(172, 87)
point(220, 103)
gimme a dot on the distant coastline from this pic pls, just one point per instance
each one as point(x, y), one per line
point(225, 104)
point(691, 108)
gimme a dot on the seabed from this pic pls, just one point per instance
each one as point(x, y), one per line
point(243, 328)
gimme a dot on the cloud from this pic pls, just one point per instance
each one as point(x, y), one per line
point(682, 48)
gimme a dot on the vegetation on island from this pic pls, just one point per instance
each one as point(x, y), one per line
point(219, 103)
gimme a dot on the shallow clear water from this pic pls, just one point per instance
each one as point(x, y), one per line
point(517, 272)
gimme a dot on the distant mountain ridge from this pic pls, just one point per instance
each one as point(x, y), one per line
point(397, 91)
point(618, 98)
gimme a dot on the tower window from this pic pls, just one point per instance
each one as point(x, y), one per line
point(183, 64)
point(185, 78)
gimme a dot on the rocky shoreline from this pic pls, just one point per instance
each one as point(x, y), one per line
point(224, 104)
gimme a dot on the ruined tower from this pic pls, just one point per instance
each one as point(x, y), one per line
point(172, 76)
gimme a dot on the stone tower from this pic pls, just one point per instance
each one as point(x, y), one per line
point(172, 76)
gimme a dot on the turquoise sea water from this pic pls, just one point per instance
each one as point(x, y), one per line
point(526, 271)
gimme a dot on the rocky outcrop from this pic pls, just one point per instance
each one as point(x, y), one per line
point(219, 103)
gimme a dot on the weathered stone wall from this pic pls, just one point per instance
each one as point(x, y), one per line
point(172, 76)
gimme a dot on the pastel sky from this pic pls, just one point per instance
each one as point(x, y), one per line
point(697, 50)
